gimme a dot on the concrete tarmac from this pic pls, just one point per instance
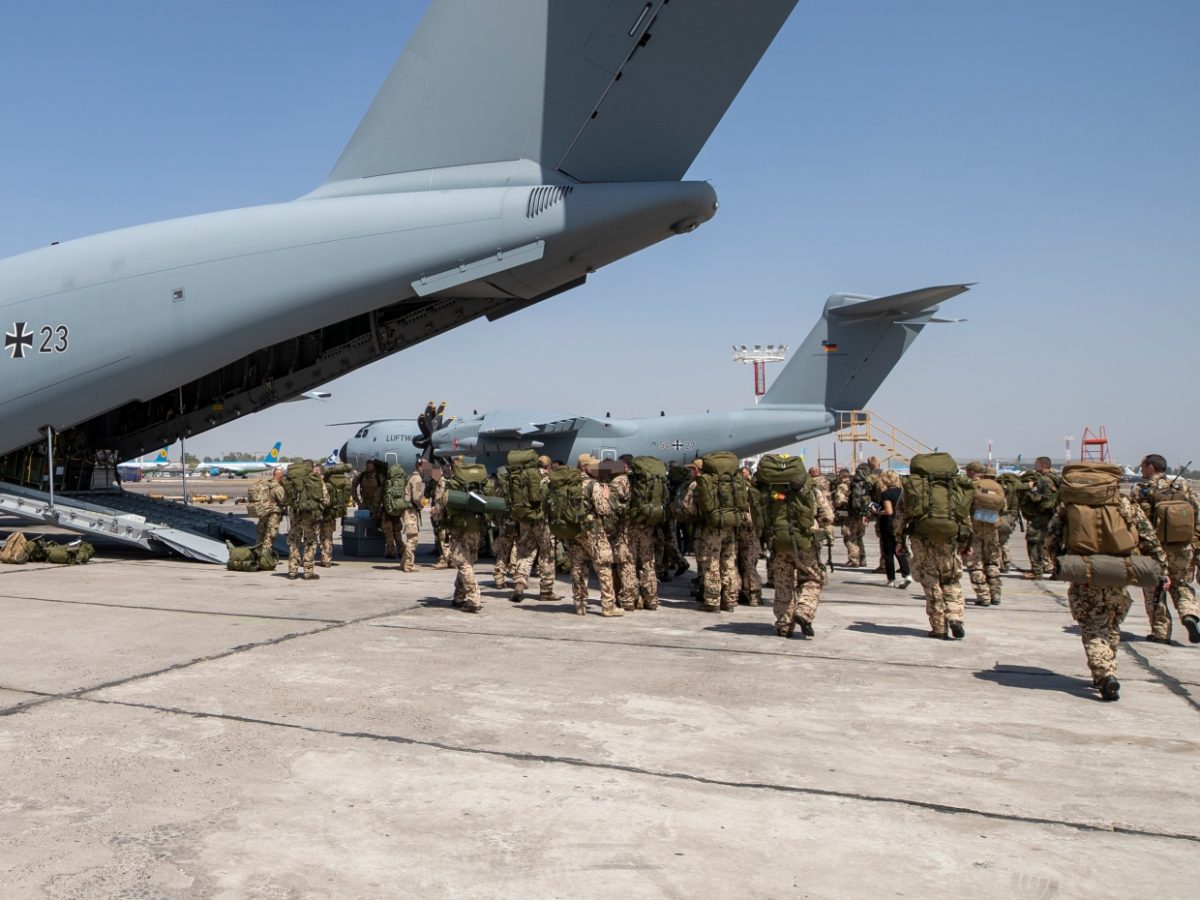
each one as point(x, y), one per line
point(170, 730)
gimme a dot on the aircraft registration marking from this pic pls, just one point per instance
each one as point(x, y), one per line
point(677, 445)
point(54, 339)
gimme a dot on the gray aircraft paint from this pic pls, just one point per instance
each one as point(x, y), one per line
point(514, 150)
point(849, 351)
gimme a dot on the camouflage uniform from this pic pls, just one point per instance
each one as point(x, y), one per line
point(1004, 529)
point(749, 549)
point(939, 570)
point(368, 493)
point(619, 492)
point(799, 575)
point(1178, 565)
point(716, 559)
point(1038, 513)
point(853, 527)
point(1099, 611)
point(393, 534)
point(592, 546)
point(414, 493)
point(302, 537)
point(269, 516)
point(984, 565)
point(534, 539)
point(436, 514)
point(462, 551)
point(506, 541)
point(325, 529)
point(639, 577)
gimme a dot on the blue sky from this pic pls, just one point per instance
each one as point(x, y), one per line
point(1048, 151)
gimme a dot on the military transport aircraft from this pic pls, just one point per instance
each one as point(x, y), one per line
point(841, 363)
point(514, 149)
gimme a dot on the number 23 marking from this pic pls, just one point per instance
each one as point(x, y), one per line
point(48, 334)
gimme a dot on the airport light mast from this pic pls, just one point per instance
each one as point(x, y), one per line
point(759, 356)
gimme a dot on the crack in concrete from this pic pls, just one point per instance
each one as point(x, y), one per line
point(189, 612)
point(80, 693)
point(576, 762)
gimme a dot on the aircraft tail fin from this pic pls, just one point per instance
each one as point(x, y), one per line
point(162, 456)
point(551, 91)
point(273, 454)
point(854, 345)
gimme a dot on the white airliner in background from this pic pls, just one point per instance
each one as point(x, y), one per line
point(233, 467)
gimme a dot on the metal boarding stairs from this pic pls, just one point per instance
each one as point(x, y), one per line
point(134, 519)
point(860, 426)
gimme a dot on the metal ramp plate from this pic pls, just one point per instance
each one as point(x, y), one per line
point(155, 525)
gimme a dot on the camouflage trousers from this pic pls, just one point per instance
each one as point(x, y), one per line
point(666, 546)
point(798, 579)
point(716, 558)
point(939, 571)
point(463, 551)
point(591, 547)
point(393, 530)
point(1099, 612)
point(411, 520)
point(506, 541)
point(639, 577)
point(1035, 534)
point(325, 540)
point(1006, 526)
point(749, 549)
point(1179, 569)
point(984, 567)
point(853, 530)
point(302, 542)
point(442, 539)
point(534, 539)
point(268, 528)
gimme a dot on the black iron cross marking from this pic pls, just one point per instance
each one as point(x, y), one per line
point(16, 341)
point(678, 445)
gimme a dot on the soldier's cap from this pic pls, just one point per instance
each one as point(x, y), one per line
point(976, 468)
point(543, 462)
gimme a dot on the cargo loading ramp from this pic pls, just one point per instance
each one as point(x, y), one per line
point(155, 525)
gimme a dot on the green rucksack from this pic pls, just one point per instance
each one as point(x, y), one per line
point(302, 489)
point(338, 483)
point(786, 500)
point(861, 490)
point(241, 559)
point(467, 478)
point(937, 500)
point(77, 553)
point(523, 488)
point(722, 494)
point(566, 513)
point(1040, 501)
point(394, 503)
point(267, 560)
point(647, 491)
point(1014, 487)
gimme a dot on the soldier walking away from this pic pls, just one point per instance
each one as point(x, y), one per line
point(414, 496)
point(615, 474)
point(1171, 507)
point(368, 488)
point(794, 517)
point(269, 503)
point(465, 527)
point(1099, 611)
point(435, 493)
point(890, 525)
point(987, 506)
point(505, 537)
point(525, 496)
point(749, 547)
point(672, 563)
point(856, 490)
point(719, 498)
point(1011, 517)
point(391, 518)
point(337, 491)
point(937, 519)
point(306, 496)
point(645, 511)
point(1039, 499)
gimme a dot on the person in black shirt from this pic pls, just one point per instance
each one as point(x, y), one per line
point(889, 511)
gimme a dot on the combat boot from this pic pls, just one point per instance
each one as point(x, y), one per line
point(805, 627)
point(682, 567)
point(714, 608)
point(755, 600)
point(292, 576)
point(956, 629)
point(1192, 624)
point(440, 564)
point(1110, 688)
point(549, 598)
point(311, 576)
point(785, 631)
point(612, 612)
point(941, 635)
point(581, 607)
point(981, 602)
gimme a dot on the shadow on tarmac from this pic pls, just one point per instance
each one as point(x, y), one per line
point(1037, 679)
point(893, 630)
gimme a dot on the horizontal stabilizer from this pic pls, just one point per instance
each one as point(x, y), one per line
point(897, 305)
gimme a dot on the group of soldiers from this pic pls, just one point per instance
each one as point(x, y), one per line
point(630, 555)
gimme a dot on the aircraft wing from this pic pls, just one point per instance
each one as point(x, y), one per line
point(516, 428)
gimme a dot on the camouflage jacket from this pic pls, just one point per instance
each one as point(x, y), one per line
point(1148, 544)
point(1147, 492)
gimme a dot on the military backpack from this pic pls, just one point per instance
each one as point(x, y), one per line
point(647, 491)
point(15, 550)
point(523, 489)
point(339, 485)
point(467, 478)
point(1171, 514)
point(862, 490)
point(937, 500)
point(1013, 488)
point(788, 502)
point(241, 559)
point(259, 501)
point(302, 489)
point(989, 501)
point(1091, 495)
point(77, 553)
point(394, 503)
point(566, 512)
point(1041, 500)
point(722, 494)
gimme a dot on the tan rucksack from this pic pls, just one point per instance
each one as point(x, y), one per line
point(1091, 493)
point(259, 501)
point(15, 550)
point(989, 495)
point(1172, 515)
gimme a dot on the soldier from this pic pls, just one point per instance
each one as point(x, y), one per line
point(368, 488)
point(435, 492)
point(1040, 501)
point(271, 509)
point(306, 495)
point(749, 547)
point(716, 543)
point(672, 562)
point(937, 562)
point(1099, 611)
point(1152, 494)
point(799, 576)
point(984, 566)
point(414, 493)
point(464, 530)
point(326, 522)
point(592, 544)
point(506, 538)
point(1011, 517)
point(533, 539)
point(856, 489)
point(644, 511)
